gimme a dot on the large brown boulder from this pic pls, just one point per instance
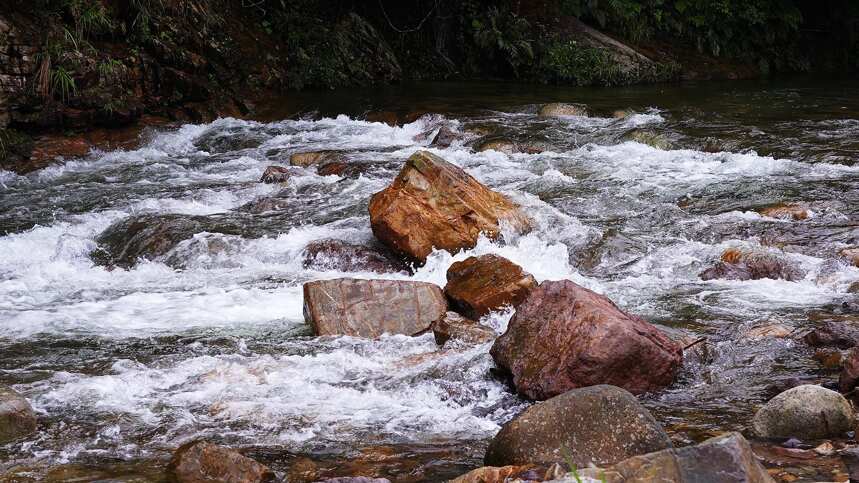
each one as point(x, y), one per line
point(434, 204)
point(204, 462)
point(592, 425)
point(737, 264)
point(370, 308)
point(723, 459)
point(479, 285)
point(17, 418)
point(564, 336)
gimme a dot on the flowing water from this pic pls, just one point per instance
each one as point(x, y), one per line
point(209, 340)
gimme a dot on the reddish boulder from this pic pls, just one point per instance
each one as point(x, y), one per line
point(275, 174)
point(435, 204)
point(479, 285)
point(736, 264)
point(334, 254)
point(457, 327)
point(564, 336)
point(203, 462)
point(850, 371)
point(370, 308)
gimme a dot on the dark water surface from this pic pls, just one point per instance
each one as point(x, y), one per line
point(124, 365)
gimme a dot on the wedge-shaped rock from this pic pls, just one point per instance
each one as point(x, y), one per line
point(204, 462)
point(457, 327)
point(723, 459)
point(479, 285)
point(370, 308)
point(564, 336)
point(592, 425)
point(434, 204)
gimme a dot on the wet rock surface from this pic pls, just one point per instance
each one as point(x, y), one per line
point(434, 204)
point(794, 212)
point(723, 459)
point(370, 308)
point(805, 412)
point(592, 425)
point(592, 341)
point(454, 326)
point(736, 264)
point(17, 418)
point(339, 255)
point(313, 158)
point(479, 285)
point(558, 109)
point(275, 174)
point(204, 462)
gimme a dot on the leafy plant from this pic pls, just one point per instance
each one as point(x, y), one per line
point(504, 36)
point(62, 83)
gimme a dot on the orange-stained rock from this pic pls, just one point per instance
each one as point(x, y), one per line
point(314, 157)
point(564, 336)
point(479, 285)
point(851, 254)
point(204, 462)
point(454, 326)
point(435, 204)
point(370, 308)
point(850, 371)
point(785, 212)
point(500, 474)
point(739, 264)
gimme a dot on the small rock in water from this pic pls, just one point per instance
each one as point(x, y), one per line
point(457, 327)
point(592, 425)
point(828, 358)
point(825, 449)
point(315, 157)
point(793, 443)
point(341, 168)
point(723, 459)
point(850, 371)
point(17, 418)
point(479, 285)
point(331, 254)
point(650, 138)
point(435, 204)
point(565, 336)
point(370, 308)
point(851, 254)
point(501, 145)
point(275, 174)
point(806, 412)
point(778, 331)
point(444, 138)
point(737, 264)
point(560, 109)
point(786, 212)
point(204, 462)
point(356, 479)
point(497, 474)
point(833, 333)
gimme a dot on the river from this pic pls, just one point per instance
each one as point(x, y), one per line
point(124, 365)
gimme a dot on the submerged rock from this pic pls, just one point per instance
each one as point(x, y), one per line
point(204, 462)
point(435, 204)
point(275, 174)
point(850, 371)
point(650, 138)
point(150, 236)
point(312, 158)
point(342, 168)
point(558, 109)
point(504, 145)
point(805, 412)
point(783, 211)
point(17, 418)
point(564, 336)
point(851, 255)
point(370, 308)
point(737, 264)
point(264, 204)
point(479, 285)
point(332, 254)
point(454, 326)
point(592, 425)
point(833, 333)
point(501, 474)
point(723, 459)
